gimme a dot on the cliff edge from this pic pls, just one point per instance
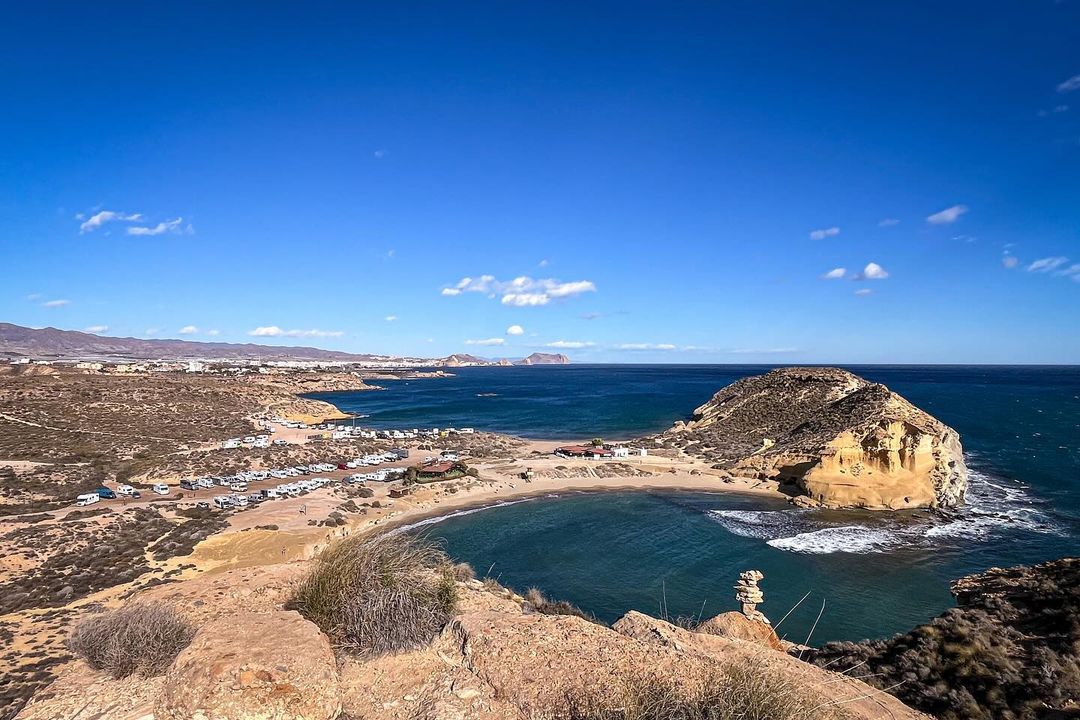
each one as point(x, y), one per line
point(830, 435)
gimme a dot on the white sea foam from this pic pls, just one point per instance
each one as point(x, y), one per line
point(761, 524)
point(847, 538)
point(459, 513)
point(994, 507)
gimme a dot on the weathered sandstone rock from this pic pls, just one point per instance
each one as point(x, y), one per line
point(831, 435)
point(737, 626)
point(269, 666)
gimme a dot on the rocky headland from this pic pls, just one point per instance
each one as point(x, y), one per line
point(829, 436)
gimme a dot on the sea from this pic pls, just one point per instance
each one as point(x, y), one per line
point(829, 575)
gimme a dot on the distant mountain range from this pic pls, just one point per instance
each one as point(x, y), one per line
point(53, 344)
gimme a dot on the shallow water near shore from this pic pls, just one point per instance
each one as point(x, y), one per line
point(877, 573)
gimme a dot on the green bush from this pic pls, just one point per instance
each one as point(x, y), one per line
point(380, 594)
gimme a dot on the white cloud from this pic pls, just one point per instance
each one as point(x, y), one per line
point(55, 303)
point(834, 274)
point(522, 291)
point(646, 346)
point(275, 331)
point(391, 318)
point(1047, 264)
point(160, 229)
point(872, 271)
point(824, 233)
point(106, 216)
point(213, 333)
point(1069, 85)
point(379, 154)
point(526, 299)
point(948, 215)
point(515, 330)
point(1073, 271)
point(1010, 261)
point(151, 331)
point(863, 292)
point(543, 263)
point(570, 344)
point(486, 341)
point(888, 222)
point(188, 330)
point(95, 329)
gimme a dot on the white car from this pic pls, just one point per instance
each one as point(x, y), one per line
point(161, 489)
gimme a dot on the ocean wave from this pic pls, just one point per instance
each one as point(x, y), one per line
point(761, 524)
point(457, 513)
point(847, 538)
point(995, 507)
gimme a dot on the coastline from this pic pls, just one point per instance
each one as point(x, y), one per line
point(419, 517)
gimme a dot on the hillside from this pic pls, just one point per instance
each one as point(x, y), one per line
point(53, 344)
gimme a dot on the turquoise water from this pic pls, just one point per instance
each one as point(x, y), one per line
point(876, 573)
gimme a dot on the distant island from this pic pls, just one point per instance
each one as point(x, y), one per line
point(50, 343)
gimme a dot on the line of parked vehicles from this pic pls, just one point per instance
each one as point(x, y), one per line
point(124, 491)
point(238, 483)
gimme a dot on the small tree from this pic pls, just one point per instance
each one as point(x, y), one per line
point(598, 442)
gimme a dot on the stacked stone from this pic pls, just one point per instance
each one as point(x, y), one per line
point(749, 595)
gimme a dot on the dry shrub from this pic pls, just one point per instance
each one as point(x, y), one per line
point(141, 639)
point(374, 595)
point(541, 604)
point(731, 692)
point(464, 572)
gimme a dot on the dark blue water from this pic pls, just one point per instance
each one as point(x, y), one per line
point(876, 573)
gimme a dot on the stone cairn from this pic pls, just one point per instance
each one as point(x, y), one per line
point(749, 595)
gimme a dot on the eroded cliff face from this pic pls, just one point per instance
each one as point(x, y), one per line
point(832, 436)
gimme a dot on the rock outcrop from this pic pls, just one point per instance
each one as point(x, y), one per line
point(498, 658)
point(252, 666)
point(1010, 650)
point(831, 436)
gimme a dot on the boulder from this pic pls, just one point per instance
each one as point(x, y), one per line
point(270, 666)
point(738, 626)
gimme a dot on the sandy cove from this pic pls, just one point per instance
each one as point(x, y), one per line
point(248, 541)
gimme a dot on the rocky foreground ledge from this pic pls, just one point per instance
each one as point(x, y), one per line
point(497, 658)
point(831, 437)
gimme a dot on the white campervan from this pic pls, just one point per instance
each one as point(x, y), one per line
point(87, 499)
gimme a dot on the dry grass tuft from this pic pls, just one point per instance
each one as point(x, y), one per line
point(140, 639)
point(725, 693)
point(375, 595)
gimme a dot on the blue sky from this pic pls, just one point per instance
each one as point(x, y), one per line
point(629, 182)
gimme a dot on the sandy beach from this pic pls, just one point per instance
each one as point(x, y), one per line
point(297, 535)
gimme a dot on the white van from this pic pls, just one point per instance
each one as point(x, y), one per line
point(223, 502)
point(124, 490)
point(161, 489)
point(87, 499)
